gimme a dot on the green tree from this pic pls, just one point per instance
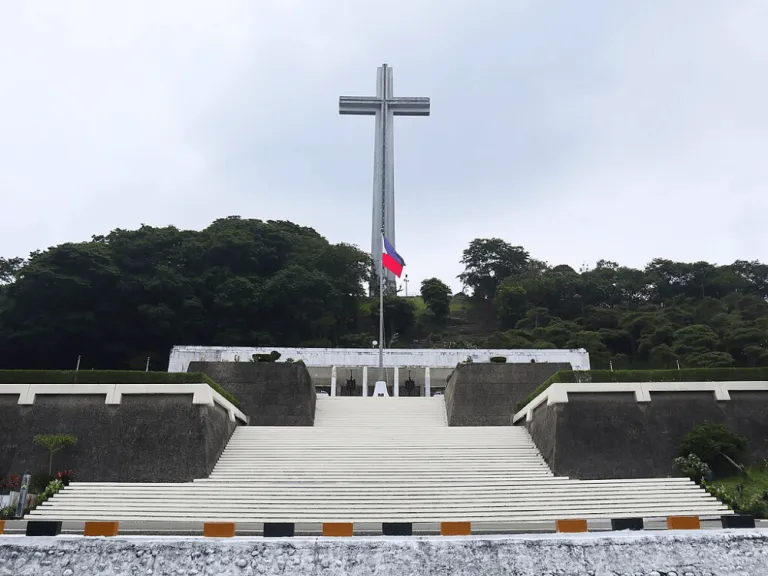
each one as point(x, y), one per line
point(437, 297)
point(511, 303)
point(487, 262)
point(54, 443)
point(715, 445)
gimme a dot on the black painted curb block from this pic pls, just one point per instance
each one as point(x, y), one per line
point(35, 528)
point(627, 524)
point(279, 529)
point(397, 529)
point(737, 521)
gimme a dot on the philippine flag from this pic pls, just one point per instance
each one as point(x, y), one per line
point(391, 259)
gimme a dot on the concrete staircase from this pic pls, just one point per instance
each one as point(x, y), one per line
point(380, 460)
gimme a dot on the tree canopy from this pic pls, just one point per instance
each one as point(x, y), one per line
point(132, 294)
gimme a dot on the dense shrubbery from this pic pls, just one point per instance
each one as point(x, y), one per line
point(130, 295)
point(711, 455)
point(717, 447)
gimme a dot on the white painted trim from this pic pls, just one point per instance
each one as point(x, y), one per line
point(558, 393)
point(201, 393)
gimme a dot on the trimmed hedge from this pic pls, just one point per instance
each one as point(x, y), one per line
point(110, 377)
point(685, 375)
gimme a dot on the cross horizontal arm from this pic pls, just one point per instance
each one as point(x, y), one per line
point(409, 106)
point(359, 105)
point(369, 105)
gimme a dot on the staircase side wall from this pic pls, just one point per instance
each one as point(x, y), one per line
point(270, 393)
point(611, 435)
point(145, 438)
point(487, 394)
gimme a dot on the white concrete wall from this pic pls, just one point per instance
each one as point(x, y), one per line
point(684, 553)
point(181, 356)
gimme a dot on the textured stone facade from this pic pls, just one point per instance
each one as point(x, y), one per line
point(699, 553)
point(145, 438)
point(612, 435)
point(270, 393)
point(487, 394)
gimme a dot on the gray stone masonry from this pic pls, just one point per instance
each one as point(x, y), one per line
point(697, 553)
point(611, 435)
point(487, 394)
point(270, 393)
point(145, 438)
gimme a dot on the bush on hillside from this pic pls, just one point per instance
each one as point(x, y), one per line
point(715, 446)
point(693, 467)
point(273, 356)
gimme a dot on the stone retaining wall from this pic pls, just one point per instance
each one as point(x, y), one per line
point(698, 553)
point(270, 393)
point(487, 394)
point(144, 438)
point(611, 434)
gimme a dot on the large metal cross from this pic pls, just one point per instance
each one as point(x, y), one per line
point(384, 106)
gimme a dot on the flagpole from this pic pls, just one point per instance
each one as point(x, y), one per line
point(381, 313)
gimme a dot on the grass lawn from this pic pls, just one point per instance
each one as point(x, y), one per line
point(754, 485)
point(755, 482)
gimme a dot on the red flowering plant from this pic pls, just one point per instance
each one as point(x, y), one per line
point(65, 476)
point(11, 484)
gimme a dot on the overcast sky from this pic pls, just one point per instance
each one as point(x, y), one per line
point(624, 130)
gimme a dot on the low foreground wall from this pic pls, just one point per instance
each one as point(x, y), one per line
point(270, 393)
point(700, 553)
point(487, 394)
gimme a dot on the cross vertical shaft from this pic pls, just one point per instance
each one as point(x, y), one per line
point(384, 106)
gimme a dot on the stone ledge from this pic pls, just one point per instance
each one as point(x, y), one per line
point(640, 553)
point(201, 393)
point(558, 393)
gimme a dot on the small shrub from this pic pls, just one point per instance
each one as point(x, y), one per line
point(53, 488)
point(65, 477)
point(11, 484)
point(7, 513)
point(715, 445)
point(692, 467)
point(725, 495)
point(498, 359)
point(38, 482)
point(273, 356)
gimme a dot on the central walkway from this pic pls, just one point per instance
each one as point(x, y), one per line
point(381, 460)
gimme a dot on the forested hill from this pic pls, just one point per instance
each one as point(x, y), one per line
point(121, 298)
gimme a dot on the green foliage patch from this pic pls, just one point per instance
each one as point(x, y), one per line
point(685, 375)
point(123, 298)
point(109, 377)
